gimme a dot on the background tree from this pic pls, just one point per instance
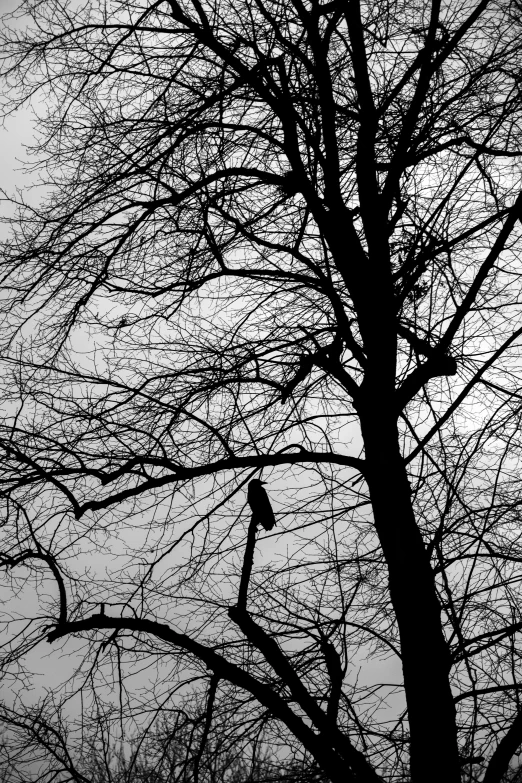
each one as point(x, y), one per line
point(276, 239)
point(174, 749)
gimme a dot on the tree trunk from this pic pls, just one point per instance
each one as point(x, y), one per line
point(425, 654)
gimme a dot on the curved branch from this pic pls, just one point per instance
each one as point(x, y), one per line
point(492, 689)
point(224, 669)
point(10, 562)
point(230, 463)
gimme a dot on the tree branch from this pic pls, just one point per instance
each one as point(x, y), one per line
point(504, 752)
point(12, 561)
point(237, 463)
point(248, 562)
point(284, 669)
point(226, 670)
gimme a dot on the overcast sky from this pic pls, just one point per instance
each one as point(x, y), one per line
point(15, 132)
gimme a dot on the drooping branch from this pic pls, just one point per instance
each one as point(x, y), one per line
point(46, 557)
point(330, 760)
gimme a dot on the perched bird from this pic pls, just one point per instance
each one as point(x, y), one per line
point(260, 504)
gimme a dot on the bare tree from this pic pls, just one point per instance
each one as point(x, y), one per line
point(176, 748)
point(277, 239)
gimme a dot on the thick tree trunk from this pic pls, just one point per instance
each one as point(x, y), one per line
point(425, 654)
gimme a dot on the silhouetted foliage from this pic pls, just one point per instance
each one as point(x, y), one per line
point(275, 239)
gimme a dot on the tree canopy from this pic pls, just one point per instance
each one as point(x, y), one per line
point(273, 239)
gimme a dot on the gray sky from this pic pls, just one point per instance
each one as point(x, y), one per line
point(15, 132)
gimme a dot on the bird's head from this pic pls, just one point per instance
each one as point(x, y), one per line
point(257, 481)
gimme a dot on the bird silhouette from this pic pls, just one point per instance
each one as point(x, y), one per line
point(259, 503)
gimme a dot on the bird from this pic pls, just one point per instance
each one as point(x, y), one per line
point(260, 504)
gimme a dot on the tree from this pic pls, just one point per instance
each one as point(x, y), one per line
point(276, 239)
